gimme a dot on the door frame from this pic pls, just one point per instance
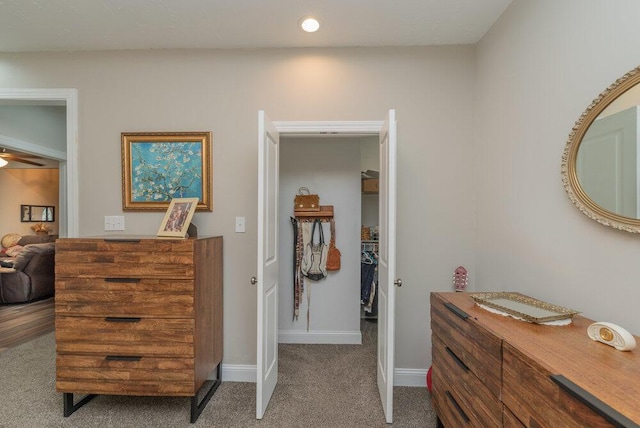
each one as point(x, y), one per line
point(323, 128)
point(68, 169)
point(328, 128)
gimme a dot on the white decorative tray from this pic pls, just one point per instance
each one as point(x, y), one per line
point(524, 307)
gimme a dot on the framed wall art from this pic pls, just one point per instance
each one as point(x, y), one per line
point(178, 217)
point(160, 166)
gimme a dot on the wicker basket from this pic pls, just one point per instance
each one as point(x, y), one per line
point(365, 233)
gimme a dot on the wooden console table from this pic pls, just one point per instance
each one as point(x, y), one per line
point(138, 316)
point(491, 370)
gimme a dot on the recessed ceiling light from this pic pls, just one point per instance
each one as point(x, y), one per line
point(310, 25)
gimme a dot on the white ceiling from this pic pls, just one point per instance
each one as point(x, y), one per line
point(61, 25)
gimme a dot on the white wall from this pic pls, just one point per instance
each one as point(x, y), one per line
point(370, 153)
point(538, 69)
point(41, 125)
point(370, 209)
point(329, 167)
point(431, 89)
point(370, 160)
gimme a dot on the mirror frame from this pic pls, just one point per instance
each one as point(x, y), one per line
point(569, 175)
point(28, 209)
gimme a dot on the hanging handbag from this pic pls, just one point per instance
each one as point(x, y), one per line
point(305, 201)
point(314, 257)
point(333, 257)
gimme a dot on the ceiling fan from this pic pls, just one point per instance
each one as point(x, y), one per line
point(17, 157)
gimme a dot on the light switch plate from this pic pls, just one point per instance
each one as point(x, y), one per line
point(240, 224)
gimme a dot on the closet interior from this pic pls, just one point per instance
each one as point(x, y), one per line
point(329, 310)
point(370, 165)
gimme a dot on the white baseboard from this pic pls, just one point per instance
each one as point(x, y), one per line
point(320, 337)
point(410, 377)
point(238, 373)
point(247, 373)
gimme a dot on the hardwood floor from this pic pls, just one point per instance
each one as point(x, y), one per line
point(24, 322)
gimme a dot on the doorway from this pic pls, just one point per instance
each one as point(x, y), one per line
point(67, 158)
point(326, 311)
point(268, 260)
point(331, 166)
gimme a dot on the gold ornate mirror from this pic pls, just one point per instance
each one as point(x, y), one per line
point(601, 160)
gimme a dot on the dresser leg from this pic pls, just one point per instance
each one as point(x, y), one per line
point(196, 408)
point(69, 407)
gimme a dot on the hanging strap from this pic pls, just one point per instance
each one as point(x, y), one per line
point(332, 242)
point(313, 233)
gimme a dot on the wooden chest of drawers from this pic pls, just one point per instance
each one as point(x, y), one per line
point(138, 316)
point(491, 370)
point(466, 368)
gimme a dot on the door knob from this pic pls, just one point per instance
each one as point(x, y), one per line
point(398, 282)
point(254, 280)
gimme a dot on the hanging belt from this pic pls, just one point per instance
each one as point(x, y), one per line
point(298, 279)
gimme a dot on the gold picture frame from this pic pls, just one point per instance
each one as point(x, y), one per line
point(178, 217)
point(160, 166)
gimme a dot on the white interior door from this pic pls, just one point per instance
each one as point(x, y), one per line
point(387, 264)
point(607, 162)
point(267, 279)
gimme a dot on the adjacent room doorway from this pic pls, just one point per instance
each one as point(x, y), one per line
point(68, 161)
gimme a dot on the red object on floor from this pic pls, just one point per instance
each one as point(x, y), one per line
point(429, 379)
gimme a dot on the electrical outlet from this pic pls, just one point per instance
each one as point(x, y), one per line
point(113, 222)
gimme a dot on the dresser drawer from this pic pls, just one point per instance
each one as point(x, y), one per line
point(125, 375)
point(536, 400)
point(125, 336)
point(453, 375)
point(509, 420)
point(125, 297)
point(124, 259)
point(477, 348)
point(451, 408)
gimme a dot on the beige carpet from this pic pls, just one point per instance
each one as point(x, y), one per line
point(318, 386)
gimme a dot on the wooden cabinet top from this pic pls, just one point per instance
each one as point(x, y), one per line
point(610, 375)
point(130, 238)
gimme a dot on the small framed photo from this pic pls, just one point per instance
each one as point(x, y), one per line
point(178, 217)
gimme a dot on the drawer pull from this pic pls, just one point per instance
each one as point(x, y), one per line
point(458, 408)
point(122, 280)
point(457, 359)
point(607, 412)
point(459, 312)
point(122, 319)
point(122, 358)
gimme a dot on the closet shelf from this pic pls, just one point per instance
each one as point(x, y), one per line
point(325, 211)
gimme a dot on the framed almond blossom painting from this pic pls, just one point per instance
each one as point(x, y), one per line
point(160, 166)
